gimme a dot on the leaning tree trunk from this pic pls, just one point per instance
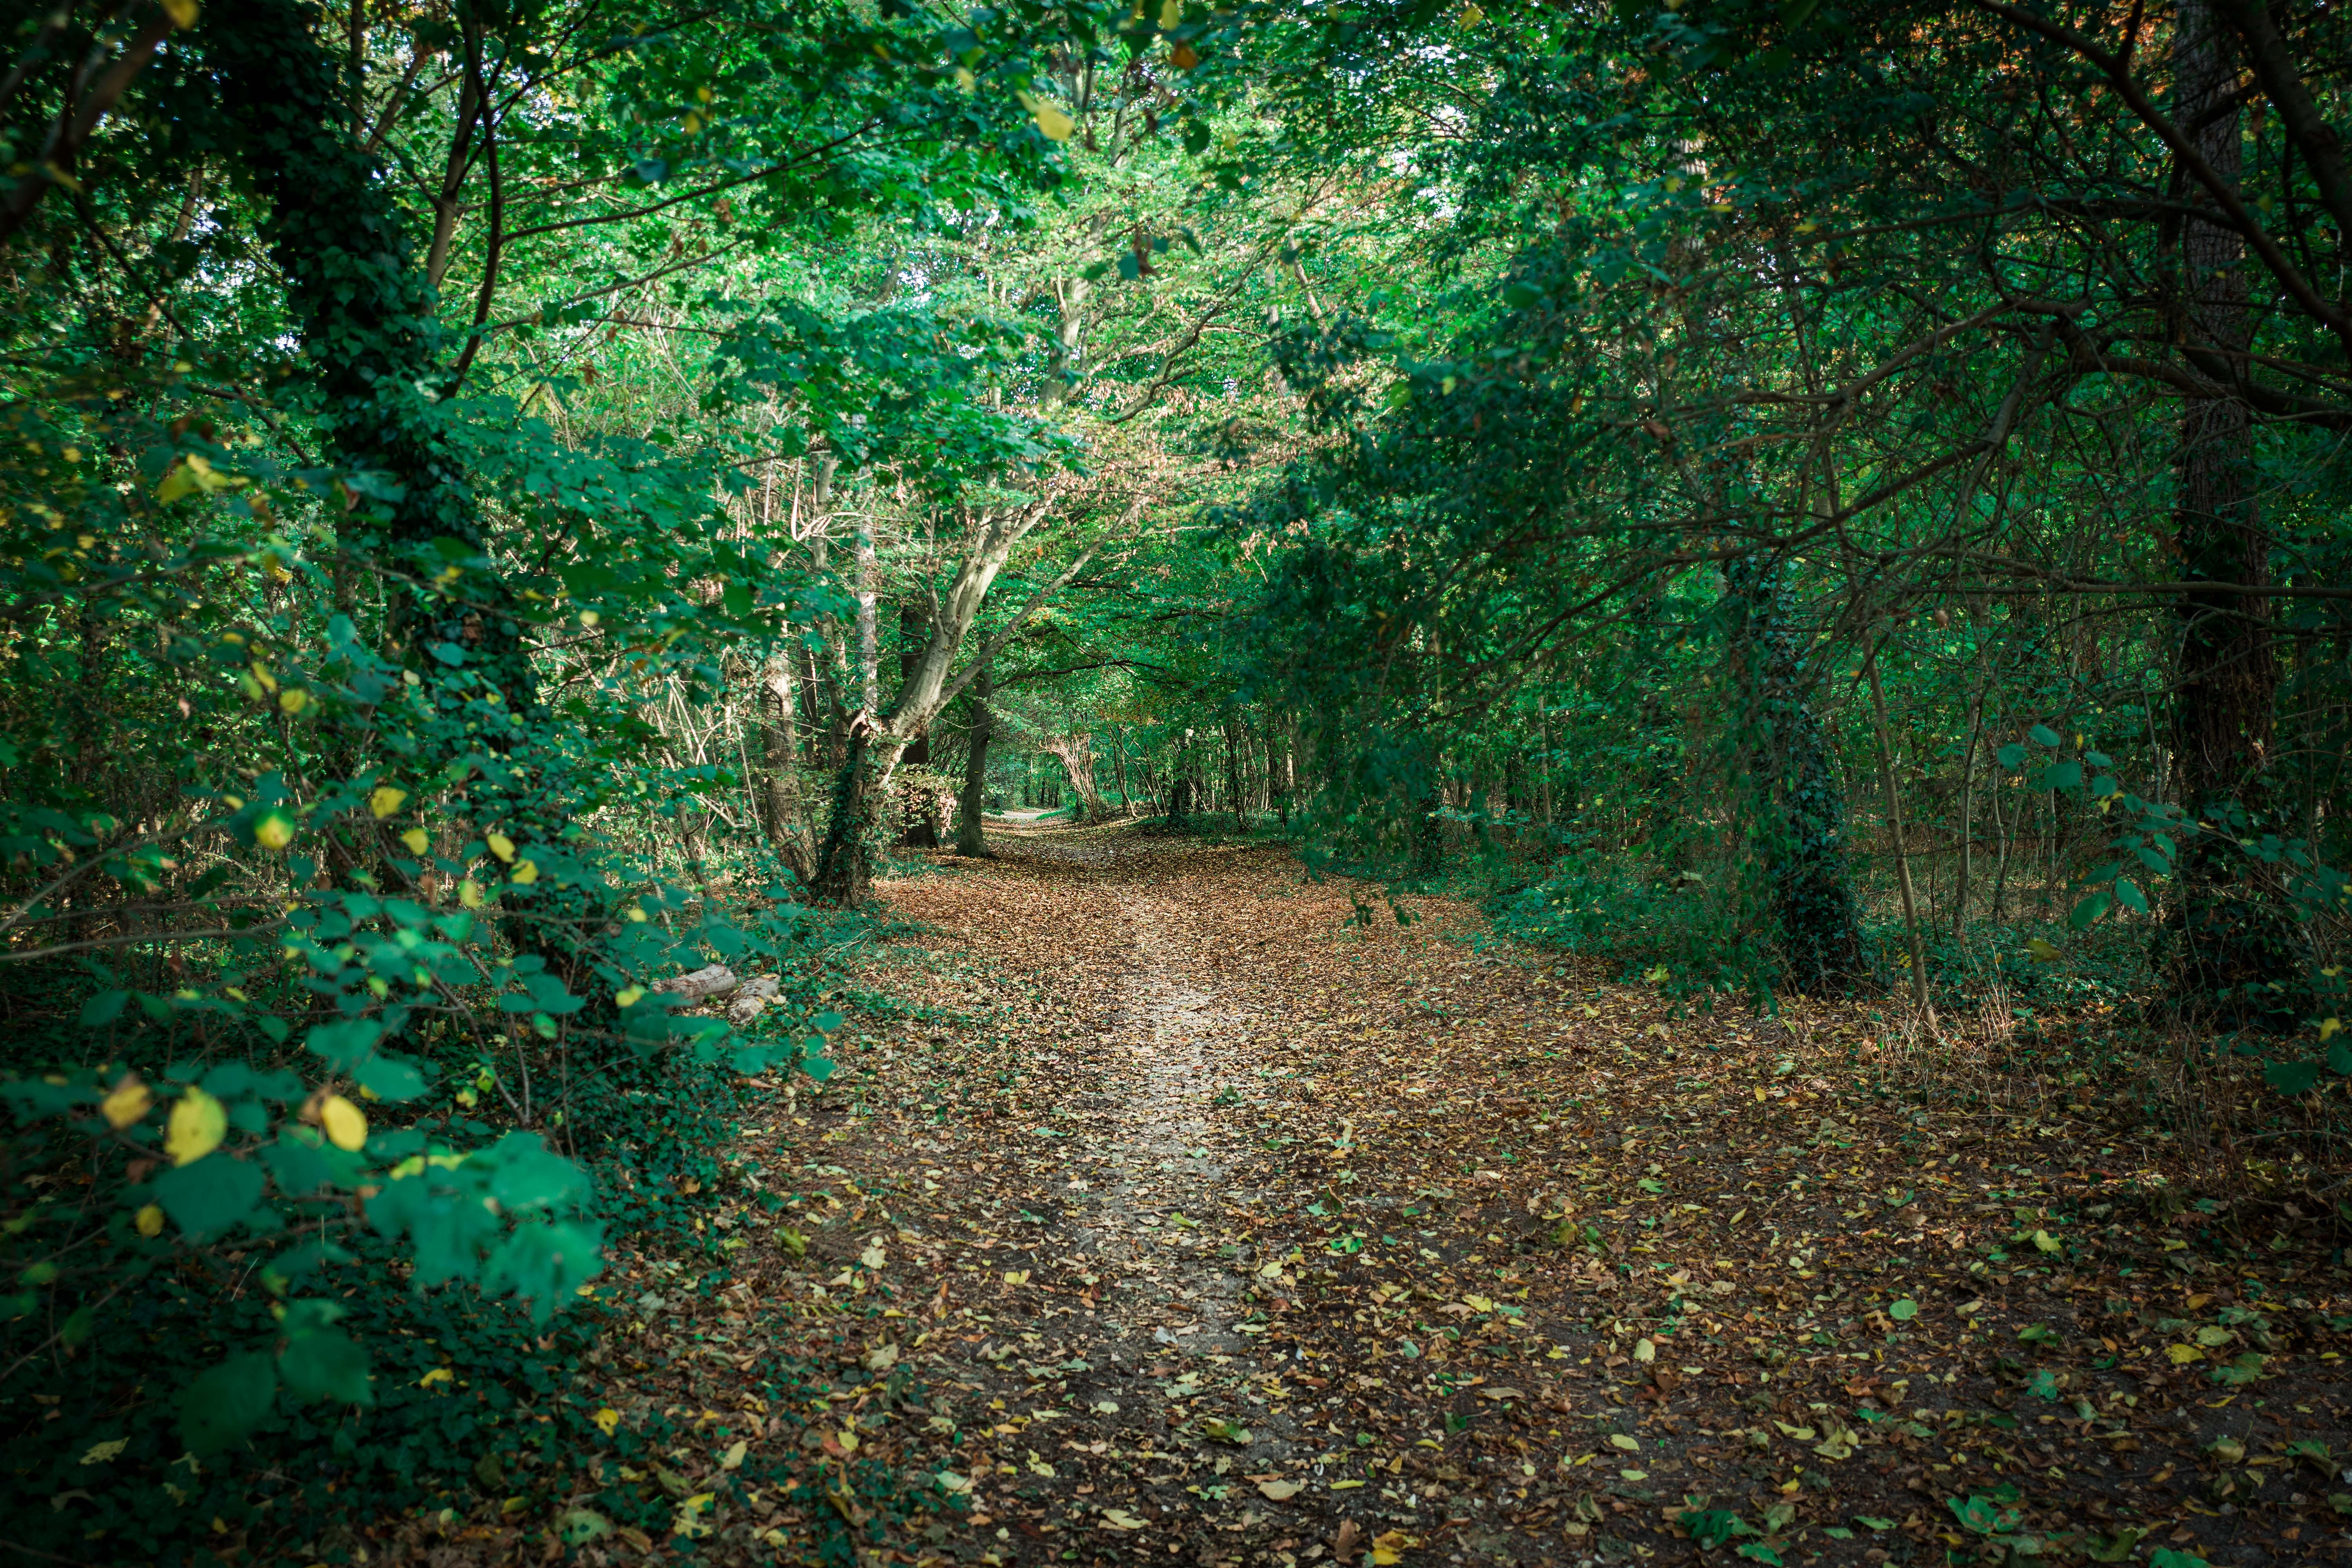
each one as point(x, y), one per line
point(1797, 804)
point(2229, 935)
point(969, 837)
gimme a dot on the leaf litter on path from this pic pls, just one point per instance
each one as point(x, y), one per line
point(1174, 1216)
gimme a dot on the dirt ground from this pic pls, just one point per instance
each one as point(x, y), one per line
point(1187, 1211)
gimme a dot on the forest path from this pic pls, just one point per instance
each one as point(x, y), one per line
point(1167, 1209)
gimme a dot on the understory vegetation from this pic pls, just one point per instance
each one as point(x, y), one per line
point(516, 514)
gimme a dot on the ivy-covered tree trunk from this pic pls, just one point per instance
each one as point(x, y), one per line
point(861, 796)
point(1795, 799)
point(2230, 936)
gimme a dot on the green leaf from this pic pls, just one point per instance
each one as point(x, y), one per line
point(321, 1361)
point(544, 1265)
point(2011, 756)
point(2292, 1077)
point(225, 1403)
point(390, 1079)
point(2042, 735)
point(1982, 1514)
point(1714, 1526)
point(2339, 1060)
point(1904, 1311)
point(345, 1045)
point(2130, 894)
point(2084, 913)
point(207, 1196)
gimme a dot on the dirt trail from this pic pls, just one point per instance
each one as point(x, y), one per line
point(1178, 1215)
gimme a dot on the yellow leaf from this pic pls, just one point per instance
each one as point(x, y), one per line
point(128, 1102)
point(2047, 1242)
point(1280, 1491)
point(2183, 1354)
point(346, 1123)
point(469, 893)
point(2042, 952)
point(1760, 1096)
point(150, 1221)
point(630, 995)
point(1171, 12)
point(525, 872)
point(606, 1419)
point(1388, 1546)
point(1471, 16)
point(438, 1374)
point(198, 1124)
point(99, 1453)
point(177, 483)
point(500, 845)
point(387, 799)
point(1016, 1277)
point(2329, 1028)
point(965, 81)
point(1645, 1351)
point(732, 1460)
point(273, 830)
point(1054, 123)
point(416, 840)
point(1621, 1441)
point(293, 700)
point(693, 123)
point(1478, 1303)
point(182, 12)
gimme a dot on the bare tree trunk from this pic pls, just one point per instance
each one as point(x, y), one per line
point(869, 652)
point(914, 634)
point(970, 838)
point(1233, 771)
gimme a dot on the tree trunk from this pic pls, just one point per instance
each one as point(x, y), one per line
point(914, 635)
point(973, 805)
point(861, 789)
point(1233, 773)
point(869, 651)
point(1798, 804)
point(2229, 937)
